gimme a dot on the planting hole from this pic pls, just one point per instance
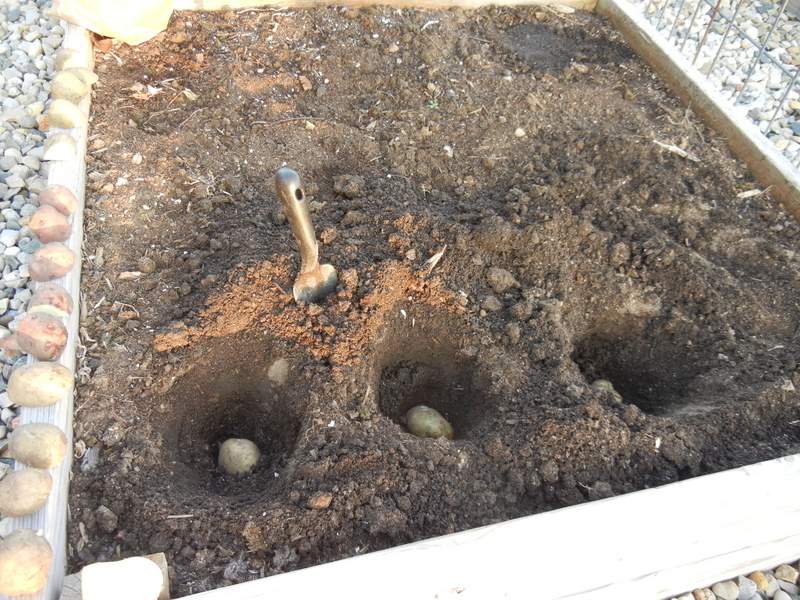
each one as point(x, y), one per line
point(415, 367)
point(656, 375)
point(218, 400)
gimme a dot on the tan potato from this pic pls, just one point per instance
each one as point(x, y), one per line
point(24, 563)
point(49, 225)
point(424, 421)
point(38, 445)
point(59, 146)
point(64, 114)
point(238, 456)
point(42, 336)
point(87, 76)
point(67, 58)
point(51, 261)
point(10, 346)
point(51, 299)
point(39, 384)
point(59, 197)
point(24, 492)
point(604, 385)
point(68, 86)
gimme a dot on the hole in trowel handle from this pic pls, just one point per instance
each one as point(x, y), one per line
point(298, 193)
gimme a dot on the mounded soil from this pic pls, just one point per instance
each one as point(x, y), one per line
point(574, 249)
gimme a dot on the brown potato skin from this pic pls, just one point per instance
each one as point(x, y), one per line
point(51, 261)
point(59, 197)
point(42, 336)
point(49, 225)
point(52, 299)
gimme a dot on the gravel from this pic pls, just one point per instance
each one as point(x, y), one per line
point(767, 99)
point(28, 43)
point(775, 584)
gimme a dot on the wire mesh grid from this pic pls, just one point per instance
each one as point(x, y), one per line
point(750, 49)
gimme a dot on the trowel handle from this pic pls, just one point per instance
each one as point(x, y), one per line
point(293, 198)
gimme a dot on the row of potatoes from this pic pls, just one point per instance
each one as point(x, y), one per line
point(26, 556)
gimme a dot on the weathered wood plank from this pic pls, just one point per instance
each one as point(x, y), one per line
point(647, 545)
point(429, 4)
point(745, 140)
point(52, 518)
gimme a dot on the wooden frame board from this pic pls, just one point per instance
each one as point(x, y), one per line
point(430, 4)
point(745, 140)
point(647, 545)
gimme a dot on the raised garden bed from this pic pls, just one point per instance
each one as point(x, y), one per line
point(522, 140)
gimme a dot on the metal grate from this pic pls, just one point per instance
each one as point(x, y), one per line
point(750, 49)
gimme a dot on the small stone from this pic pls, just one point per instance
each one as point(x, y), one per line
point(238, 456)
point(9, 237)
point(491, 304)
point(620, 254)
point(15, 182)
point(501, 280)
point(351, 186)
point(136, 159)
point(519, 132)
point(726, 590)
point(783, 572)
point(522, 311)
point(106, 519)
point(781, 595)
point(514, 332)
point(320, 501)
point(600, 490)
point(278, 372)
point(747, 588)
point(761, 581)
point(789, 588)
point(146, 265)
point(703, 594)
point(549, 471)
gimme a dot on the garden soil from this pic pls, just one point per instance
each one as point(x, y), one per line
point(518, 147)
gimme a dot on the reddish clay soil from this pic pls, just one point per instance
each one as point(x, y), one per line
point(625, 262)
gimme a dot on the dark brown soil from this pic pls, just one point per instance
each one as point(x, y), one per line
point(630, 263)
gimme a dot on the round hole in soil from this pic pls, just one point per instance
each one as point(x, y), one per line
point(222, 398)
point(417, 368)
point(654, 374)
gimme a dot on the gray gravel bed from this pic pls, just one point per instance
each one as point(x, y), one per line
point(28, 42)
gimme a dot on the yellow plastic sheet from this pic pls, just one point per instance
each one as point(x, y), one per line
point(132, 22)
